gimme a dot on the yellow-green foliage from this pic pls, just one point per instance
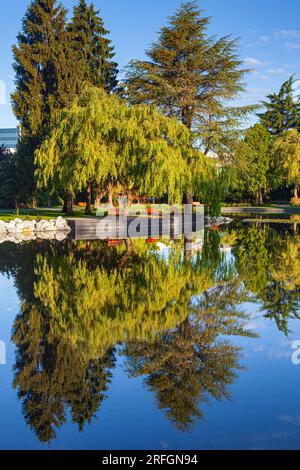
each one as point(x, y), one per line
point(98, 308)
point(288, 150)
point(295, 201)
point(99, 137)
point(286, 267)
point(229, 239)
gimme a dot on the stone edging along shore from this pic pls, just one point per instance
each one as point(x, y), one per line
point(21, 230)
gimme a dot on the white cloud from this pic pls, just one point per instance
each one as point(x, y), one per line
point(264, 39)
point(292, 45)
point(252, 62)
point(290, 419)
point(287, 33)
point(255, 95)
point(278, 71)
point(296, 92)
point(262, 76)
point(2, 92)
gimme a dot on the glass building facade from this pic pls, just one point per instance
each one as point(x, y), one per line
point(9, 137)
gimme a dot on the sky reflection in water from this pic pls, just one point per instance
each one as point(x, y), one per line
point(138, 346)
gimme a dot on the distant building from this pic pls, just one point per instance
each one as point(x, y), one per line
point(9, 138)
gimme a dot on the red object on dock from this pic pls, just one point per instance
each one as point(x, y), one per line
point(114, 242)
point(152, 240)
point(151, 211)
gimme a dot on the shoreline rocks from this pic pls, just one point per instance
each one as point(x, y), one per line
point(21, 237)
point(18, 230)
point(217, 221)
point(34, 226)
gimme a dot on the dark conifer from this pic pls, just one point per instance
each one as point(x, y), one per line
point(93, 46)
point(48, 77)
point(194, 77)
point(45, 65)
point(282, 110)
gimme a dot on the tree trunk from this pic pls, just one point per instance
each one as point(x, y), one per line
point(129, 246)
point(296, 194)
point(187, 120)
point(260, 197)
point(34, 202)
point(88, 207)
point(110, 195)
point(65, 205)
point(187, 117)
point(190, 199)
point(17, 205)
point(188, 248)
point(68, 203)
point(99, 195)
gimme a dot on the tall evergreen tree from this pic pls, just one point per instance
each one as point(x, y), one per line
point(47, 74)
point(93, 46)
point(45, 65)
point(282, 110)
point(287, 151)
point(192, 76)
point(3, 152)
point(8, 179)
point(256, 148)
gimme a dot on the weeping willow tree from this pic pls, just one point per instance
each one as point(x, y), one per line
point(101, 139)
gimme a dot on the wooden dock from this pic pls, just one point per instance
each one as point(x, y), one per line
point(120, 228)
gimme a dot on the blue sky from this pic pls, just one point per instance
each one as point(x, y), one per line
point(269, 32)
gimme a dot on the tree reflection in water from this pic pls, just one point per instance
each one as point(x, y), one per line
point(173, 317)
point(268, 262)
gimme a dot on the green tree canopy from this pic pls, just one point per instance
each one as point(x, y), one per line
point(256, 149)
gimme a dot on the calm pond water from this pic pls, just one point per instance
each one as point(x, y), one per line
point(140, 346)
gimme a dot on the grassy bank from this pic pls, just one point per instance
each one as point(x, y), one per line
point(40, 213)
point(272, 221)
